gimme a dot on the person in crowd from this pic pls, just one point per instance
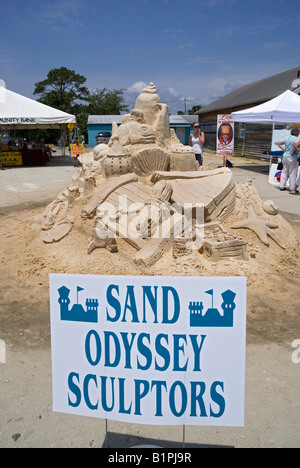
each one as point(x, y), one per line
point(297, 186)
point(12, 145)
point(197, 140)
point(296, 151)
point(49, 151)
point(290, 160)
point(46, 148)
point(32, 145)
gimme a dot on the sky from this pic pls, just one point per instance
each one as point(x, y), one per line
point(194, 51)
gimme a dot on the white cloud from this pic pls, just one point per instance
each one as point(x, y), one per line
point(213, 3)
point(173, 31)
point(274, 46)
point(189, 98)
point(185, 45)
point(218, 84)
point(137, 87)
point(173, 92)
point(202, 60)
point(60, 13)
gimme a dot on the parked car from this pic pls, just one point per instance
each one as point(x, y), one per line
point(103, 137)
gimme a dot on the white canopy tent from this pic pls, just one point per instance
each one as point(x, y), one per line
point(19, 112)
point(285, 108)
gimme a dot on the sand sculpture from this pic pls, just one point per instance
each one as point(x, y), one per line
point(146, 187)
point(262, 228)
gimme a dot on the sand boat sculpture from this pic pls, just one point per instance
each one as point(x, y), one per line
point(148, 189)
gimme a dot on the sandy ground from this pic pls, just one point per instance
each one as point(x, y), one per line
point(273, 324)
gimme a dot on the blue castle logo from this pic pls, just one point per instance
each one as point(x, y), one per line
point(77, 313)
point(212, 317)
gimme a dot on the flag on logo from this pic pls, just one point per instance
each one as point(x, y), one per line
point(211, 292)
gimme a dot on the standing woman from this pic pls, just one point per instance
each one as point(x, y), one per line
point(197, 140)
point(296, 150)
point(290, 161)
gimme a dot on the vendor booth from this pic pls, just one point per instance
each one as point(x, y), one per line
point(284, 109)
point(20, 112)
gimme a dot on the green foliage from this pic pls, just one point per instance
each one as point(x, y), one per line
point(64, 89)
point(105, 102)
point(50, 136)
point(61, 89)
point(194, 109)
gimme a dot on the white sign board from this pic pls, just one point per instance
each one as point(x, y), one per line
point(275, 176)
point(225, 134)
point(279, 135)
point(149, 350)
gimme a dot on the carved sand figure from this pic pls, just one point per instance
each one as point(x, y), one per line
point(262, 228)
point(146, 188)
point(59, 230)
point(102, 238)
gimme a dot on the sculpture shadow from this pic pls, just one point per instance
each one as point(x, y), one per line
point(115, 440)
point(259, 169)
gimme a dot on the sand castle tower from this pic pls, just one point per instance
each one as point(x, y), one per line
point(155, 114)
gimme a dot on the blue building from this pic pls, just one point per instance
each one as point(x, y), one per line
point(103, 123)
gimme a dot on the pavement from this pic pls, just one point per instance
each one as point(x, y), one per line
point(258, 172)
point(29, 187)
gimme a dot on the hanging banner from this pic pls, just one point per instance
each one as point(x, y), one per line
point(225, 135)
point(11, 158)
point(149, 350)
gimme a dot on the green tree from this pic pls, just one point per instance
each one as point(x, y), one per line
point(64, 89)
point(100, 102)
point(61, 89)
point(106, 102)
point(194, 109)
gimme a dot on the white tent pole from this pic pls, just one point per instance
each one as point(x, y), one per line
point(273, 128)
point(62, 137)
point(244, 140)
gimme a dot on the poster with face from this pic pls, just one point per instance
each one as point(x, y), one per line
point(225, 135)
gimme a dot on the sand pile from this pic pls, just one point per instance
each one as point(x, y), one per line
point(69, 255)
